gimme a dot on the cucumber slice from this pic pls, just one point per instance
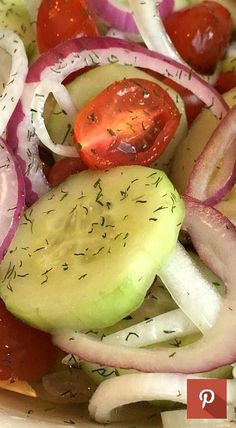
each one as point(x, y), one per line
point(86, 253)
point(90, 84)
point(15, 16)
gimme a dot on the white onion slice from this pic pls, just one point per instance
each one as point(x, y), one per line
point(132, 388)
point(11, 94)
point(151, 28)
point(12, 197)
point(163, 327)
point(222, 144)
point(190, 289)
point(215, 239)
point(60, 93)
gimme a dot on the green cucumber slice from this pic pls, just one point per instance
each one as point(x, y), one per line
point(87, 252)
point(15, 16)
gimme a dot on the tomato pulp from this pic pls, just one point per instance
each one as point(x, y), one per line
point(130, 122)
point(60, 20)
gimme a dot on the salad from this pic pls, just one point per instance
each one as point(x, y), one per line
point(118, 201)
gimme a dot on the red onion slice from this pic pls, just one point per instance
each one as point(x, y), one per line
point(13, 89)
point(222, 144)
point(12, 197)
point(228, 206)
point(74, 55)
point(117, 14)
point(215, 240)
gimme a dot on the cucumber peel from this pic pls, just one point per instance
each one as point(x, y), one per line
point(87, 252)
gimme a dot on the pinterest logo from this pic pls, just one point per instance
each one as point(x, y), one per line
point(207, 398)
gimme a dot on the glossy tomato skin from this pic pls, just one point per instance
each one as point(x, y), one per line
point(63, 169)
point(25, 353)
point(201, 34)
point(193, 105)
point(130, 122)
point(226, 81)
point(60, 20)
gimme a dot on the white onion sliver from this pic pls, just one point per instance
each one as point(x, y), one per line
point(43, 90)
point(163, 327)
point(190, 289)
point(12, 44)
point(222, 141)
point(133, 388)
point(151, 28)
point(12, 197)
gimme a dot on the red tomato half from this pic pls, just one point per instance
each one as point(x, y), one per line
point(60, 20)
point(130, 122)
point(25, 353)
point(226, 81)
point(201, 33)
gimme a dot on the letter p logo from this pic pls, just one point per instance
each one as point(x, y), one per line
point(207, 398)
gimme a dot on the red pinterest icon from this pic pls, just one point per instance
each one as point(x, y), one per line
point(207, 399)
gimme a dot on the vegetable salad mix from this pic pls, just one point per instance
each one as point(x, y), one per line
point(118, 202)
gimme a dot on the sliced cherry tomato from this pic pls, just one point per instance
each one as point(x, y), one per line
point(130, 122)
point(63, 169)
point(193, 105)
point(60, 20)
point(25, 353)
point(226, 81)
point(201, 33)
